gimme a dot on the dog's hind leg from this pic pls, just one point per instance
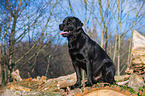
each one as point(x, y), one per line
point(109, 77)
point(108, 73)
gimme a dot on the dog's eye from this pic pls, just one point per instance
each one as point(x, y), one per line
point(69, 22)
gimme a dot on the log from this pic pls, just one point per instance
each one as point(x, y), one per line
point(123, 82)
point(121, 78)
point(16, 76)
point(40, 83)
point(57, 83)
point(64, 81)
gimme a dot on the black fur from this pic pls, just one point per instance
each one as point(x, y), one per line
point(86, 54)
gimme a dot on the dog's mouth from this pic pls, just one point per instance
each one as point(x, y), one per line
point(65, 32)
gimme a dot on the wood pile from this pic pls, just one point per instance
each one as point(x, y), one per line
point(137, 55)
point(61, 86)
point(39, 83)
point(138, 61)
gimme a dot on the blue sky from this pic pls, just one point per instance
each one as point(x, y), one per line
point(62, 10)
point(129, 8)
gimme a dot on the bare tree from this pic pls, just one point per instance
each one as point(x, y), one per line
point(22, 20)
point(30, 23)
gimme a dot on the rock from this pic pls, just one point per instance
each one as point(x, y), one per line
point(9, 92)
point(135, 81)
point(143, 76)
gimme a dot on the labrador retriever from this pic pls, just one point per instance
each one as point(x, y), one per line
point(86, 54)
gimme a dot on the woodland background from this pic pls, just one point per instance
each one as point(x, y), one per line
point(30, 40)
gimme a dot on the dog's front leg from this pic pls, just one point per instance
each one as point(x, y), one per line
point(89, 70)
point(79, 77)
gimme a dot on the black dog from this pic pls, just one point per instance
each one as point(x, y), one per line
point(86, 54)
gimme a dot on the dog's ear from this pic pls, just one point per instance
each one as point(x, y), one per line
point(61, 27)
point(79, 24)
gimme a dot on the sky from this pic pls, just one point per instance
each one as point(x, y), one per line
point(129, 9)
point(62, 10)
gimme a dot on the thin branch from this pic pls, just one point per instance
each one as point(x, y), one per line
point(71, 7)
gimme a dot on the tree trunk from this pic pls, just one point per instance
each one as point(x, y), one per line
point(0, 66)
point(101, 24)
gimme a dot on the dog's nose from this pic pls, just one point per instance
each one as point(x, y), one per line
point(61, 27)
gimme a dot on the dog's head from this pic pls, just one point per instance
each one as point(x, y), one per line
point(70, 26)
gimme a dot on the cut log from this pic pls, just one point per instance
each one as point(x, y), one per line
point(123, 82)
point(16, 76)
point(65, 81)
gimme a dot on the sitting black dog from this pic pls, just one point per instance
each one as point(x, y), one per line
point(86, 54)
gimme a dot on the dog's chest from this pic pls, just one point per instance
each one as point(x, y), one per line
point(77, 56)
point(77, 50)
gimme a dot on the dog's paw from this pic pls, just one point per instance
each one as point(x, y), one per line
point(88, 84)
point(76, 86)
